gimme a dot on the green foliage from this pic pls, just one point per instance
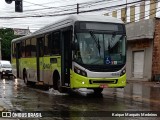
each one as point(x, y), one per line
point(6, 35)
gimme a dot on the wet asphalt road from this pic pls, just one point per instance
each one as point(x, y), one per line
point(16, 96)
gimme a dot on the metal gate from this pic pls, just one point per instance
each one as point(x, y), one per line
point(138, 64)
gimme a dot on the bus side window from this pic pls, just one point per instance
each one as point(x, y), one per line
point(49, 44)
point(27, 48)
point(13, 50)
point(33, 47)
point(56, 43)
point(23, 48)
point(46, 43)
point(41, 46)
point(52, 44)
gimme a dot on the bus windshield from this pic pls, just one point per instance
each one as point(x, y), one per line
point(100, 48)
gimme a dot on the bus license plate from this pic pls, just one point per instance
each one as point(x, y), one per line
point(103, 86)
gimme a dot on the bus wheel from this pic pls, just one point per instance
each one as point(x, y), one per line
point(59, 87)
point(98, 91)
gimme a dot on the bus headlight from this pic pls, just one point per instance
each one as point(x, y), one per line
point(79, 71)
point(123, 72)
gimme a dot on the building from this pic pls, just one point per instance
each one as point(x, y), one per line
point(143, 50)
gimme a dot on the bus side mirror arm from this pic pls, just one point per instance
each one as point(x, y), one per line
point(75, 46)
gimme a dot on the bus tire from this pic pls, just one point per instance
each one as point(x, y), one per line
point(98, 91)
point(55, 79)
point(57, 82)
point(59, 87)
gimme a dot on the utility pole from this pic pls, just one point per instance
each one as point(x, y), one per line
point(0, 49)
point(77, 8)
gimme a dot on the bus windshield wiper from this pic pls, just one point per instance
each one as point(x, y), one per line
point(111, 43)
point(96, 41)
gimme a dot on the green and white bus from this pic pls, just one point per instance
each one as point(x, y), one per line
point(78, 51)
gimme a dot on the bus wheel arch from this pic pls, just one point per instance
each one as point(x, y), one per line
point(56, 78)
point(57, 82)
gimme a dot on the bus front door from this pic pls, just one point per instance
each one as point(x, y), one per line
point(66, 58)
point(39, 58)
point(17, 59)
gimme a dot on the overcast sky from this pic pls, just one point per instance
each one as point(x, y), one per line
point(41, 7)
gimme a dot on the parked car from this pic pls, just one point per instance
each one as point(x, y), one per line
point(5, 68)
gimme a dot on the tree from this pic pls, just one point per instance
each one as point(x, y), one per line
point(7, 36)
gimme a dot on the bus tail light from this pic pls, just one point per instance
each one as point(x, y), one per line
point(79, 71)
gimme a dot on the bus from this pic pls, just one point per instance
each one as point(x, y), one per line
point(78, 51)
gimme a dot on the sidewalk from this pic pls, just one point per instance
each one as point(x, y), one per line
point(2, 104)
point(146, 83)
point(2, 108)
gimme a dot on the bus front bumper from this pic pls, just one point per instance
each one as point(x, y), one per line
point(78, 81)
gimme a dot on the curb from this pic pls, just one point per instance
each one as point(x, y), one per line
point(145, 83)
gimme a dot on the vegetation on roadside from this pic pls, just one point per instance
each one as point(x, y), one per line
point(6, 35)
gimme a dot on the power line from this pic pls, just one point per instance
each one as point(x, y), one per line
point(86, 4)
point(146, 11)
point(66, 10)
point(130, 6)
point(68, 6)
point(104, 8)
point(35, 4)
point(47, 3)
point(46, 7)
point(98, 3)
point(66, 13)
point(93, 5)
point(144, 17)
point(64, 6)
point(135, 21)
point(85, 11)
point(138, 6)
point(93, 10)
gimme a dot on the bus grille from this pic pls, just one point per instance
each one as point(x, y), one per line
point(104, 68)
point(103, 81)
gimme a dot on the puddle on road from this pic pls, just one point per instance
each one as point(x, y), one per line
point(55, 92)
point(24, 98)
point(145, 92)
point(137, 92)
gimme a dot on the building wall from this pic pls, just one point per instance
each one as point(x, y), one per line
point(145, 45)
point(140, 40)
point(156, 51)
